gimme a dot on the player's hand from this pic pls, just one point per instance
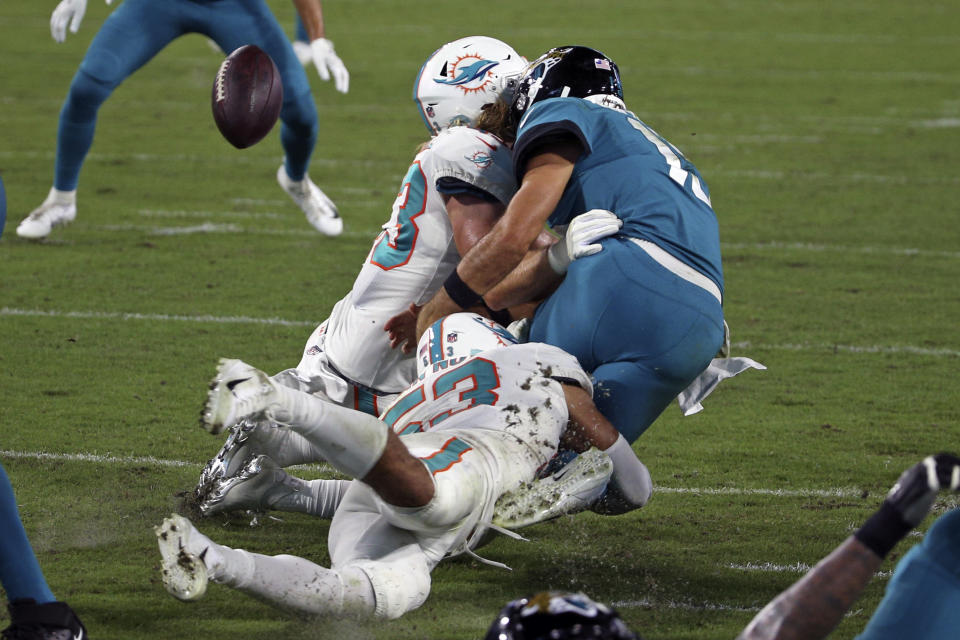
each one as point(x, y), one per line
point(328, 64)
point(581, 237)
point(403, 329)
point(916, 488)
point(68, 11)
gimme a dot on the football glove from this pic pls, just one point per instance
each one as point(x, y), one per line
point(68, 11)
point(328, 64)
point(581, 238)
point(916, 488)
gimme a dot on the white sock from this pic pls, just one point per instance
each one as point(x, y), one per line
point(62, 197)
point(296, 584)
point(630, 483)
point(349, 440)
point(314, 497)
point(284, 446)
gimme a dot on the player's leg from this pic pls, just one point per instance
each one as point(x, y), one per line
point(128, 39)
point(32, 604)
point(355, 443)
point(253, 23)
point(190, 560)
point(922, 599)
point(643, 332)
point(20, 572)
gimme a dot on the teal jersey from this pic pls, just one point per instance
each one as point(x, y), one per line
point(627, 168)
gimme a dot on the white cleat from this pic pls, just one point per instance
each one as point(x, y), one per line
point(238, 391)
point(58, 209)
point(572, 489)
point(182, 549)
point(319, 209)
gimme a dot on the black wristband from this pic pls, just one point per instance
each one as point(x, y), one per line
point(460, 292)
point(502, 317)
point(883, 530)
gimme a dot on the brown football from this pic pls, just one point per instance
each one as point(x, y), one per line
point(247, 96)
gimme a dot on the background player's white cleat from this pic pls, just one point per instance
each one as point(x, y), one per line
point(570, 490)
point(182, 549)
point(319, 209)
point(238, 391)
point(59, 208)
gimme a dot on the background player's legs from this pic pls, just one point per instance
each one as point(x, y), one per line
point(253, 24)
point(20, 573)
point(128, 39)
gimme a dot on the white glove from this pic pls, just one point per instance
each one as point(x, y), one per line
point(328, 64)
point(68, 11)
point(581, 238)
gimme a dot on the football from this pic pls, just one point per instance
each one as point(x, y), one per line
point(247, 96)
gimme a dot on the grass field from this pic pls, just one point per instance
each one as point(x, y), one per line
point(829, 134)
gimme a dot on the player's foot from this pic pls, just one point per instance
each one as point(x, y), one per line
point(303, 51)
point(47, 621)
point(570, 490)
point(59, 208)
point(238, 391)
point(256, 487)
point(228, 461)
point(182, 550)
point(319, 209)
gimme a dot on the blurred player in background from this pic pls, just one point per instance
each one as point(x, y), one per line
point(35, 614)
point(133, 34)
point(483, 417)
point(922, 600)
point(644, 315)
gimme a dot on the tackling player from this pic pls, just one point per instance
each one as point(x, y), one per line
point(484, 416)
point(644, 315)
point(454, 191)
point(139, 29)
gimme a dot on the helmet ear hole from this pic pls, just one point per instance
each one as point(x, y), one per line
point(462, 76)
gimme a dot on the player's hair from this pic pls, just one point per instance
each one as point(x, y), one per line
point(495, 119)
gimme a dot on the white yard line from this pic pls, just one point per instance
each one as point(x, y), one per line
point(165, 317)
point(157, 317)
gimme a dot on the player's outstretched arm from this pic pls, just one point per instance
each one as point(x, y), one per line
point(815, 604)
point(630, 484)
point(325, 58)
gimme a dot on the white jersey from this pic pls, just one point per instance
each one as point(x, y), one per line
point(411, 258)
point(512, 389)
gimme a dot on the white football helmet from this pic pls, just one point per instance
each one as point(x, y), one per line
point(462, 76)
point(457, 337)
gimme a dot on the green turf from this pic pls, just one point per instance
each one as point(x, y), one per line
point(828, 133)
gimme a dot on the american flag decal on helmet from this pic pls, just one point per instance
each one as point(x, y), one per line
point(602, 63)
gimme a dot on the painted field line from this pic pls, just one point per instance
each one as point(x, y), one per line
point(210, 227)
point(838, 248)
point(165, 317)
point(160, 317)
point(846, 348)
point(159, 462)
point(647, 603)
point(771, 567)
point(148, 461)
